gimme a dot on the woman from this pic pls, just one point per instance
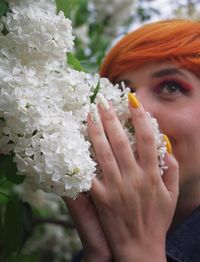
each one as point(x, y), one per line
point(134, 214)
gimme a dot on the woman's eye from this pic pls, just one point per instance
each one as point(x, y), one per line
point(170, 87)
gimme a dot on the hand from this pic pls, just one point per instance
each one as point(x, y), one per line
point(134, 203)
point(86, 221)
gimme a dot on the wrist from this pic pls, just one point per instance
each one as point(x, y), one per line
point(141, 253)
point(96, 259)
point(88, 257)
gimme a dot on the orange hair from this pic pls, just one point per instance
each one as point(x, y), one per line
point(175, 40)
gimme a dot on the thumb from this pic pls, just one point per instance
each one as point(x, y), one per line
point(81, 206)
point(84, 215)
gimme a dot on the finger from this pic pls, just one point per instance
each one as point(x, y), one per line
point(102, 148)
point(145, 141)
point(118, 140)
point(84, 216)
point(97, 190)
point(171, 176)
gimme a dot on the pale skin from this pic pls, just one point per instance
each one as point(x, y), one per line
point(134, 206)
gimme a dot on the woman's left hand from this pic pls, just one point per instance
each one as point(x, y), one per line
point(134, 203)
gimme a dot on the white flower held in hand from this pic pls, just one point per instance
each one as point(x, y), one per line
point(44, 104)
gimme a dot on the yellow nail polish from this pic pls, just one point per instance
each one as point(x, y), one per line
point(133, 100)
point(168, 144)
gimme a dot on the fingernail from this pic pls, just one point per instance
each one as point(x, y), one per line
point(133, 100)
point(103, 102)
point(94, 113)
point(168, 144)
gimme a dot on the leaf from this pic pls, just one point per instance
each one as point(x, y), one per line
point(2, 171)
point(3, 8)
point(74, 62)
point(12, 226)
point(82, 13)
point(62, 6)
point(17, 226)
point(90, 66)
point(66, 6)
point(27, 222)
point(3, 200)
point(96, 90)
point(0, 222)
point(8, 169)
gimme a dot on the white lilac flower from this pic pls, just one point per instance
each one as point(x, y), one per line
point(44, 104)
point(38, 199)
point(82, 32)
point(121, 107)
point(45, 4)
point(36, 35)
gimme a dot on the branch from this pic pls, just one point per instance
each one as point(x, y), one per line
point(41, 220)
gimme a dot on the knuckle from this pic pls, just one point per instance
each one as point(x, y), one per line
point(141, 115)
point(110, 116)
point(147, 137)
point(137, 183)
point(97, 132)
point(120, 143)
point(105, 156)
point(154, 178)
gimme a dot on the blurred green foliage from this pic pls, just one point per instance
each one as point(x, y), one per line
point(3, 7)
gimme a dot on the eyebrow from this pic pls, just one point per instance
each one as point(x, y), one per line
point(157, 74)
point(166, 72)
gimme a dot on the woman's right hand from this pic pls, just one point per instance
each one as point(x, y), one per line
point(84, 215)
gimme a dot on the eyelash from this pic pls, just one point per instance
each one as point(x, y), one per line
point(182, 86)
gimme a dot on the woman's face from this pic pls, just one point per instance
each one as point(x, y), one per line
point(172, 96)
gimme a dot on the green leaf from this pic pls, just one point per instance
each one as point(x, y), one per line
point(74, 62)
point(96, 90)
point(8, 169)
point(17, 226)
point(0, 222)
point(66, 6)
point(89, 66)
point(27, 222)
point(12, 226)
point(62, 6)
point(82, 13)
point(3, 199)
point(3, 8)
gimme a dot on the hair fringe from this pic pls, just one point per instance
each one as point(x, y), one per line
point(176, 41)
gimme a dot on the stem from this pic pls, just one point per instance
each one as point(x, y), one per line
point(3, 194)
point(41, 220)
